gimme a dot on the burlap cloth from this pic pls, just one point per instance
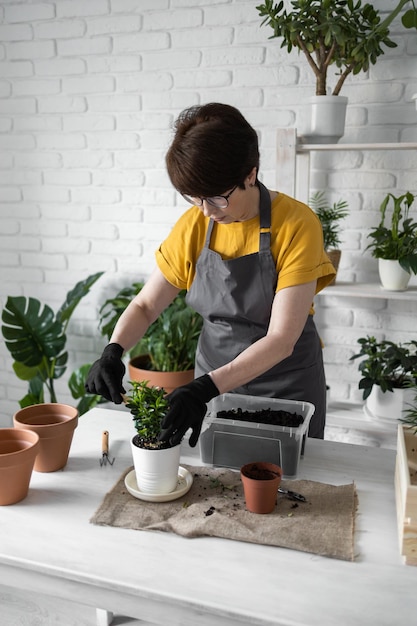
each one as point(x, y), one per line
point(215, 507)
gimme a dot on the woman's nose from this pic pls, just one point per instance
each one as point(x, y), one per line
point(208, 210)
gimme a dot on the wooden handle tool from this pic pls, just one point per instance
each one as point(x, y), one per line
point(105, 449)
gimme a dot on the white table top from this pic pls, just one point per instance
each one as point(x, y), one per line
point(48, 545)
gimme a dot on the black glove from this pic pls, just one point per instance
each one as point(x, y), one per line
point(106, 374)
point(187, 410)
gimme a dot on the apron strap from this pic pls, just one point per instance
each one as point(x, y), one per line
point(208, 234)
point(264, 219)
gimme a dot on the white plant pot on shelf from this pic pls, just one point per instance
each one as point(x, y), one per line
point(156, 470)
point(388, 407)
point(324, 119)
point(392, 276)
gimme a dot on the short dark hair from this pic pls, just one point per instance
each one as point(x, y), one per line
point(214, 148)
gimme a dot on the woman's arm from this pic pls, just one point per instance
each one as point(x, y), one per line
point(154, 297)
point(290, 309)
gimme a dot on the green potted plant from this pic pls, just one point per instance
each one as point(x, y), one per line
point(156, 463)
point(36, 337)
point(387, 367)
point(346, 35)
point(395, 244)
point(330, 217)
point(165, 355)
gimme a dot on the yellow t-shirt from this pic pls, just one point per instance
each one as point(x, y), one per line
point(296, 245)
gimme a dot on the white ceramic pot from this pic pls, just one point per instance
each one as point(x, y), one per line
point(324, 119)
point(156, 470)
point(392, 276)
point(388, 407)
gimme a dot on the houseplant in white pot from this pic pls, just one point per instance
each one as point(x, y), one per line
point(395, 245)
point(346, 35)
point(330, 217)
point(156, 463)
point(388, 370)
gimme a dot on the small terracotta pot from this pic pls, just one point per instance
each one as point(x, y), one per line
point(18, 449)
point(260, 485)
point(167, 380)
point(55, 424)
point(334, 256)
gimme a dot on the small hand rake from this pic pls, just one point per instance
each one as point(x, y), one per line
point(105, 449)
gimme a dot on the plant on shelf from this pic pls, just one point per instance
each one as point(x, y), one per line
point(330, 217)
point(36, 338)
point(170, 343)
point(345, 34)
point(398, 241)
point(387, 364)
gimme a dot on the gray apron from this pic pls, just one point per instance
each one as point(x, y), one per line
point(235, 298)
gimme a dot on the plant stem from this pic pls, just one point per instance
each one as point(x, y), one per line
point(391, 17)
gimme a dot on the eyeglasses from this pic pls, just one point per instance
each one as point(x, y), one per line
point(218, 202)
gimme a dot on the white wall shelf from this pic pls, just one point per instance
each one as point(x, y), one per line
point(293, 159)
point(345, 421)
point(368, 290)
point(316, 147)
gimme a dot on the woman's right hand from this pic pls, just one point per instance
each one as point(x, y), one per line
point(106, 374)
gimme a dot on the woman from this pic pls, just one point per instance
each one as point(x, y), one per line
point(251, 261)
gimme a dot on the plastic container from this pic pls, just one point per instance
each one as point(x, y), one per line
point(233, 443)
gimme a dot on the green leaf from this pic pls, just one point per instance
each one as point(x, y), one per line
point(75, 295)
point(89, 402)
point(30, 331)
point(23, 372)
point(60, 365)
point(28, 400)
point(112, 309)
point(35, 393)
point(409, 19)
point(77, 381)
point(76, 386)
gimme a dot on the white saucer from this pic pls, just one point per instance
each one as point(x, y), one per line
point(185, 480)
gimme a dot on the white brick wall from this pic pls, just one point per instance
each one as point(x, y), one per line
point(88, 95)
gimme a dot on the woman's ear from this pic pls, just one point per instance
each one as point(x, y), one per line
point(251, 178)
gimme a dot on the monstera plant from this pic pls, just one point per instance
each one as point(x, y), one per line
point(36, 338)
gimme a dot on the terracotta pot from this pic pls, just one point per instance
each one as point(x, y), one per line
point(55, 425)
point(167, 380)
point(260, 485)
point(18, 449)
point(156, 470)
point(334, 256)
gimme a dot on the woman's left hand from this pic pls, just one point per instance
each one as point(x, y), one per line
point(188, 406)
